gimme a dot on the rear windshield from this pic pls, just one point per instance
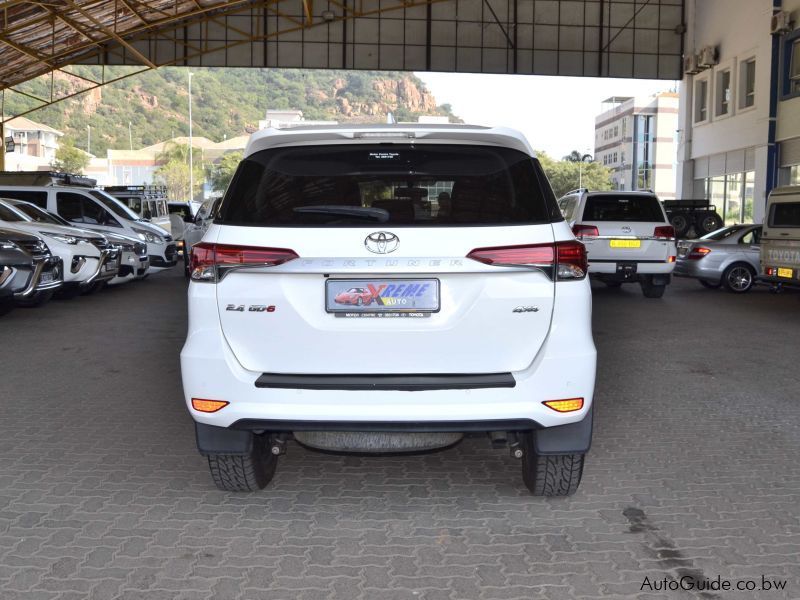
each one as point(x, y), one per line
point(352, 185)
point(721, 234)
point(785, 215)
point(611, 207)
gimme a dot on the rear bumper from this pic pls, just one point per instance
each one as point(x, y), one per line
point(572, 438)
point(609, 267)
point(166, 258)
point(563, 368)
point(698, 270)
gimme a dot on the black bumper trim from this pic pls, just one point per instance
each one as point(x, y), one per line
point(386, 426)
point(403, 383)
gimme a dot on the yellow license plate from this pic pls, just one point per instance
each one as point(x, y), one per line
point(626, 243)
point(784, 273)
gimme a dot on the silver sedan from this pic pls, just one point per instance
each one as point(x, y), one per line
point(726, 257)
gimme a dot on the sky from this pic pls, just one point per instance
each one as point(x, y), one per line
point(556, 114)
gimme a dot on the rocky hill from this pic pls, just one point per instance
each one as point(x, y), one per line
point(226, 102)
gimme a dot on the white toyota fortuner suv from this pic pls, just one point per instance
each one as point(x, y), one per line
point(389, 288)
point(627, 235)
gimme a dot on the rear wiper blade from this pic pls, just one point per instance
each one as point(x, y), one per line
point(362, 212)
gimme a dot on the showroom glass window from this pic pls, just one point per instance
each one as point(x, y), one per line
point(733, 196)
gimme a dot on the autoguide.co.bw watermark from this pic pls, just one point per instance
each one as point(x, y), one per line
point(718, 584)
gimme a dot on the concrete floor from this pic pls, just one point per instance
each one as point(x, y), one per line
point(694, 471)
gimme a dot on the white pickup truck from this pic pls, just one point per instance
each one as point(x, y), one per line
point(780, 240)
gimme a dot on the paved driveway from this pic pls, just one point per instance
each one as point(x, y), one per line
point(695, 471)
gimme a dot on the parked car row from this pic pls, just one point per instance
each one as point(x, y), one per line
point(60, 235)
point(628, 238)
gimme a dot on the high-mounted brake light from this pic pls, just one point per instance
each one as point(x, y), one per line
point(207, 257)
point(664, 232)
point(585, 231)
point(698, 253)
point(562, 406)
point(569, 258)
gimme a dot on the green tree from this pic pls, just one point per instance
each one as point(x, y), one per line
point(173, 171)
point(565, 175)
point(576, 156)
point(220, 174)
point(70, 159)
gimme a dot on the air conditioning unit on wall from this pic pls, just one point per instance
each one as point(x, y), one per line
point(708, 57)
point(781, 23)
point(690, 64)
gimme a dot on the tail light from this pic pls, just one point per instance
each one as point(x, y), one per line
point(568, 258)
point(698, 253)
point(585, 231)
point(208, 259)
point(664, 232)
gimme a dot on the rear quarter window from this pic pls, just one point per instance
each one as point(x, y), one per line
point(611, 207)
point(785, 214)
point(388, 184)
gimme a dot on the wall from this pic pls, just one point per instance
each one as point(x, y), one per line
point(740, 31)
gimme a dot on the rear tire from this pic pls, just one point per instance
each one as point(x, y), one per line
point(738, 278)
point(707, 222)
point(651, 290)
point(550, 475)
point(244, 473)
point(680, 223)
point(708, 284)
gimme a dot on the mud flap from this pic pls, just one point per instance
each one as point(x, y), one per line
point(572, 438)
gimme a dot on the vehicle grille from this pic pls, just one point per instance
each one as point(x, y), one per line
point(171, 252)
point(36, 248)
point(141, 249)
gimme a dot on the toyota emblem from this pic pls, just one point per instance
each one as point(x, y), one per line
point(381, 242)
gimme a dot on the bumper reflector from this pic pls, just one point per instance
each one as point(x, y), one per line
point(208, 406)
point(569, 405)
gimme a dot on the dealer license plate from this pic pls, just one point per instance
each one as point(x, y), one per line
point(382, 298)
point(110, 267)
point(783, 272)
point(46, 277)
point(626, 243)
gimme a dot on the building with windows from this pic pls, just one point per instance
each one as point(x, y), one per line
point(740, 104)
point(635, 139)
point(35, 145)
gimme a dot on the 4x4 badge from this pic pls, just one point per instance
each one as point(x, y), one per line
point(524, 309)
point(381, 242)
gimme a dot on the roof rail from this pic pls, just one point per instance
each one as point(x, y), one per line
point(148, 192)
point(46, 178)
